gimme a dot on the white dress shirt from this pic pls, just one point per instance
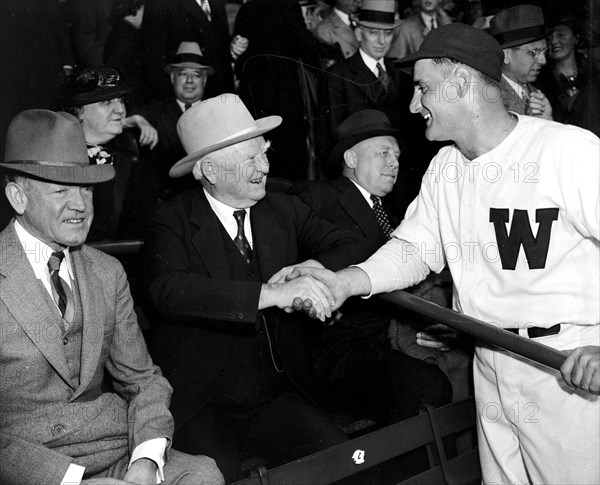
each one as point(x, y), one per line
point(372, 63)
point(225, 215)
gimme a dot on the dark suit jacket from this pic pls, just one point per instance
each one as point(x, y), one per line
point(48, 421)
point(169, 22)
point(205, 310)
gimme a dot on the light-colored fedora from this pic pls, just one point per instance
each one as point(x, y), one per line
point(190, 55)
point(378, 14)
point(51, 146)
point(216, 123)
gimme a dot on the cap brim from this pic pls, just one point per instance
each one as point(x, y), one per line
point(62, 173)
point(346, 143)
point(263, 125)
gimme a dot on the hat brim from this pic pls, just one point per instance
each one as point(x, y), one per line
point(62, 173)
point(186, 164)
point(379, 25)
point(348, 142)
point(525, 40)
point(191, 65)
point(97, 96)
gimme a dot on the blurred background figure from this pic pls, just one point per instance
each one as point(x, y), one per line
point(338, 26)
point(92, 22)
point(571, 79)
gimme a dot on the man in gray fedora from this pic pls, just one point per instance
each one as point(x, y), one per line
point(68, 330)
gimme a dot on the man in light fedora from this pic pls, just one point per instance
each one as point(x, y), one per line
point(521, 33)
point(188, 72)
point(366, 80)
point(240, 366)
point(69, 330)
point(358, 370)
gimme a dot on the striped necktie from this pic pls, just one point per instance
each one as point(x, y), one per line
point(61, 289)
point(382, 218)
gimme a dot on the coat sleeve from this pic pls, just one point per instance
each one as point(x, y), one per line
point(29, 462)
point(134, 375)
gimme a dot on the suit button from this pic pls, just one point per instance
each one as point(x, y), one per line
point(57, 429)
point(240, 316)
point(221, 373)
point(251, 274)
point(65, 341)
point(232, 316)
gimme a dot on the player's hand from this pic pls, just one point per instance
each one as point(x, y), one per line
point(539, 105)
point(581, 369)
point(438, 336)
point(281, 275)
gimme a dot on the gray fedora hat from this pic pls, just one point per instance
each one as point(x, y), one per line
point(51, 146)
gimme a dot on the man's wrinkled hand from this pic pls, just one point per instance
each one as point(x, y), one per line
point(238, 46)
point(539, 105)
point(438, 336)
point(581, 369)
point(303, 293)
point(283, 273)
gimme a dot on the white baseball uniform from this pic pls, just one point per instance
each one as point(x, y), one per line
point(519, 230)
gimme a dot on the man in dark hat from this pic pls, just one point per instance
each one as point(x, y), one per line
point(521, 33)
point(357, 369)
point(240, 366)
point(96, 96)
point(188, 72)
point(69, 330)
point(505, 178)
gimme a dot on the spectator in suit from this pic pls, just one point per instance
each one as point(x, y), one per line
point(188, 71)
point(521, 33)
point(69, 329)
point(167, 23)
point(409, 36)
point(96, 97)
point(338, 26)
point(368, 79)
point(357, 369)
point(238, 363)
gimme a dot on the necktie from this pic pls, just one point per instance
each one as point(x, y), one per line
point(60, 286)
point(240, 239)
point(382, 218)
point(433, 24)
point(383, 77)
point(526, 93)
point(206, 7)
point(187, 106)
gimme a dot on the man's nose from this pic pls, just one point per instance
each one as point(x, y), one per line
point(79, 200)
point(415, 103)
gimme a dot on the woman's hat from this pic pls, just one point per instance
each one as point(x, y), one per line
point(518, 25)
point(189, 55)
point(92, 85)
point(51, 146)
point(360, 126)
point(214, 124)
point(378, 14)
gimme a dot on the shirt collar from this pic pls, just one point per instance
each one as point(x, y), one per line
point(343, 15)
point(370, 62)
point(427, 19)
point(225, 215)
point(38, 253)
point(181, 104)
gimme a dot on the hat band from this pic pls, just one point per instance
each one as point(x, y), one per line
point(367, 128)
point(520, 34)
point(180, 58)
point(376, 16)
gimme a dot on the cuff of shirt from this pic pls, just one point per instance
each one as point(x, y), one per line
point(154, 450)
point(74, 475)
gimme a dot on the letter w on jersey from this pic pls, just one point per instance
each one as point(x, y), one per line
point(536, 248)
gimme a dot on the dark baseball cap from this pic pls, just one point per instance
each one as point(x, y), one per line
point(464, 44)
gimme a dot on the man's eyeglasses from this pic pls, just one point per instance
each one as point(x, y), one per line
point(534, 53)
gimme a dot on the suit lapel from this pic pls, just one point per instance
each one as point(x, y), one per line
point(357, 208)
point(364, 78)
point(94, 316)
point(195, 9)
point(208, 240)
point(28, 302)
point(270, 240)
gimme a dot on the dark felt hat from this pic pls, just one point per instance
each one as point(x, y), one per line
point(464, 44)
point(360, 126)
point(51, 146)
point(92, 85)
point(518, 25)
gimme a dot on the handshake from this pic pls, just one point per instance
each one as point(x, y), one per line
point(311, 288)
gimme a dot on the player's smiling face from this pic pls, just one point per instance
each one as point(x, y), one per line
point(433, 99)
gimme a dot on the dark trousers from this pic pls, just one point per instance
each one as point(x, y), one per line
point(283, 429)
point(384, 384)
